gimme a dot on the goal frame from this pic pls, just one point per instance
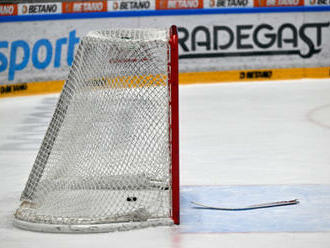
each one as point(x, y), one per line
point(173, 145)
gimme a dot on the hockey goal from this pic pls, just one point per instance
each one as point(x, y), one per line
point(110, 158)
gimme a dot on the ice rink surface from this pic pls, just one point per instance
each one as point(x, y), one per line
point(238, 139)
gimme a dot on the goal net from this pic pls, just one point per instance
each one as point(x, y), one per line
point(109, 159)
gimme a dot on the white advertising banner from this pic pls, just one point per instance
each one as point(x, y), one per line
point(44, 50)
point(127, 5)
point(39, 8)
point(227, 4)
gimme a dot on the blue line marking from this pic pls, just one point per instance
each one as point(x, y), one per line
point(146, 13)
point(312, 214)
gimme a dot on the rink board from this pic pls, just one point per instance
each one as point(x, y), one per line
point(312, 214)
point(55, 86)
point(221, 44)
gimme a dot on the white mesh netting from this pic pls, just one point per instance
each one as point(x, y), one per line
point(105, 157)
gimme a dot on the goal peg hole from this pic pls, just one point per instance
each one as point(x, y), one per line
point(131, 198)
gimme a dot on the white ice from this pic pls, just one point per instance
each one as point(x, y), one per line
point(256, 133)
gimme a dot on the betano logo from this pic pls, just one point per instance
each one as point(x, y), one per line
point(179, 4)
point(278, 3)
point(131, 5)
point(252, 40)
point(86, 6)
point(8, 9)
point(228, 3)
point(172, 4)
point(20, 54)
point(38, 8)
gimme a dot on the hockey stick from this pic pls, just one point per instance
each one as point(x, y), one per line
point(250, 207)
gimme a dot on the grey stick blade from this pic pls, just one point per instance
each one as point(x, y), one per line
point(250, 207)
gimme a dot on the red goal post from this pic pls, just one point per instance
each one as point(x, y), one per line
point(174, 91)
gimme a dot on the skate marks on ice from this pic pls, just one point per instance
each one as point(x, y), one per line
point(319, 115)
